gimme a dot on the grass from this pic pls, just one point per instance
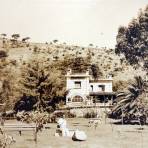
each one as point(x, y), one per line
point(105, 136)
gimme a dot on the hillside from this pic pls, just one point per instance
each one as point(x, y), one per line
point(106, 59)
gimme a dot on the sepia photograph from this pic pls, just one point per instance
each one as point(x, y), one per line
point(73, 73)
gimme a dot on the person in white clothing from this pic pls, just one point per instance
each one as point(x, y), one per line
point(62, 124)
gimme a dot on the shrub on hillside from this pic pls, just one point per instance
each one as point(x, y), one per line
point(119, 85)
point(3, 54)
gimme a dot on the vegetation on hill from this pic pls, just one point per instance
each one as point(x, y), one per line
point(14, 41)
point(42, 82)
point(39, 61)
point(33, 74)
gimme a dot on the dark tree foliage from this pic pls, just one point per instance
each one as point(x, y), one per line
point(25, 103)
point(3, 54)
point(77, 64)
point(96, 73)
point(80, 64)
point(133, 102)
point(132, 41)
point(146, 65)
point(15, 36)
point(40, 83)
point(25, 39)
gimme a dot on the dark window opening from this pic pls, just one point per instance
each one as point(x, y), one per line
point(101, 87)
point(69, 99)
point(77, 84)
point(91, 87)
point(77, 99)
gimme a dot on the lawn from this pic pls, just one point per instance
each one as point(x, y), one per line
point(106, 135)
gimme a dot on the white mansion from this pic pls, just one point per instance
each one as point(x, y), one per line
point(84, 91)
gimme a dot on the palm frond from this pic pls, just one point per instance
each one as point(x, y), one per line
point(133, 91)
point(130, 101)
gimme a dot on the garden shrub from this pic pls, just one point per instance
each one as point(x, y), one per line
point(91, 114)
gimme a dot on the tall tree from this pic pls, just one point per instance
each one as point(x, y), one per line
point(41, 81)
point(96, 72)
point(132, 41)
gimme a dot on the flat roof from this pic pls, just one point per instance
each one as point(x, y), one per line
point(99, 80)
point(101, 93)
point(78, 75)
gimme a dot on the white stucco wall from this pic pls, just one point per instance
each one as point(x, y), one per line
point(107, 84)
point(84, 85)
point(85, 88)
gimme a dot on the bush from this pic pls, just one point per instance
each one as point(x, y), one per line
point(66, 113)
point(13, 62)
point(3, 54)
point(58, 114)
point(33, 117)
point(70, 115)
point(91, 114)
point(120, 85)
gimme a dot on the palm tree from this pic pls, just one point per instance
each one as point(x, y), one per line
point(132, 103)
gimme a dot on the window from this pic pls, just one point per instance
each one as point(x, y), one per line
point(69, 99)
point(77, 99)
point(101, 87)
point(91, 87)
point(77, 84)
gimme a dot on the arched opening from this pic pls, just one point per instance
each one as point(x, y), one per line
point(77, 99)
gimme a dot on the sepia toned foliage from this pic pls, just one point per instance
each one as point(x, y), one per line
point(3, 54)
point(8, 89)
point(119, 85)
point(133, 102)
point(77, 64)
point(95, 71)
point(132, 41)
point(41, 82)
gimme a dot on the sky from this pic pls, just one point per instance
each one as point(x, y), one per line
point(78, 22)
